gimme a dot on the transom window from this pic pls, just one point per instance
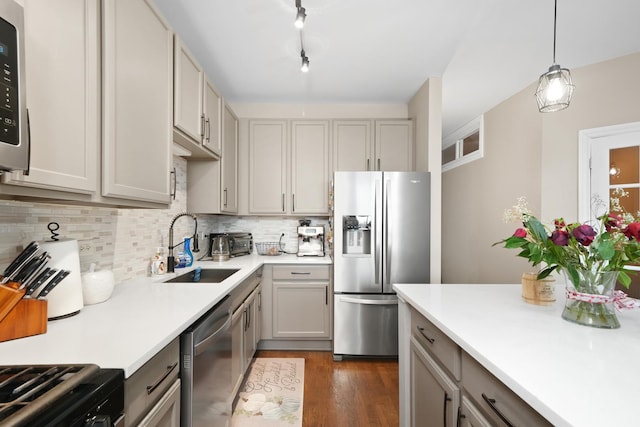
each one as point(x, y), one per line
point(463, 145)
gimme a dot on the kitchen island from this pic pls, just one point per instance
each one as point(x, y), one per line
point(570, 374)
point(141, 317)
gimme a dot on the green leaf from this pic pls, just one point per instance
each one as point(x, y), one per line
point(537, 230)
point(515, 242)
point(547, 271)
point(624, 279)
point(606, 250)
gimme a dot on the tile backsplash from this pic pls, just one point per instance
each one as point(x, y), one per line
point(125, 239)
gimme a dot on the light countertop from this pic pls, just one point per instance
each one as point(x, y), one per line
point(141, 317)
point(571, 374)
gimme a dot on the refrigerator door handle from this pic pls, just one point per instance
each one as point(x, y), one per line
point(377, 235)
point(387, 247)
point(368, 301)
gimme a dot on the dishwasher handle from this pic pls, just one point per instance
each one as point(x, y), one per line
point(203, 344)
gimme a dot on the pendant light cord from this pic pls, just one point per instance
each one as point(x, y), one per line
point(555, 14)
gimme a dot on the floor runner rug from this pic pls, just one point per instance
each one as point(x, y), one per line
point(271, 395)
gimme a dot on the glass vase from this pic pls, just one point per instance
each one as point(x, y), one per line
point(590, 301)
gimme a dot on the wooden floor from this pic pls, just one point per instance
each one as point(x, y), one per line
point(354, 392)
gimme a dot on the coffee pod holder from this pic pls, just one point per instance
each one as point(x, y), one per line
point(20, 317)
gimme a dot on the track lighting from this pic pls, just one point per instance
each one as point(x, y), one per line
point(305, 62)
point(555, 86)
point(301, 15)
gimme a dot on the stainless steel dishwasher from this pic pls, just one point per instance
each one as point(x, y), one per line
point(207, 387)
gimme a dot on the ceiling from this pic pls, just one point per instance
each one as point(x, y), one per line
point(382, 51)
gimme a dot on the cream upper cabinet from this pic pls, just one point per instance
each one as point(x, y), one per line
point(288, 177)
point(379, 145)
point(268, 166)
point(196, 106)
point(309, 167)
point(394, 145)
point(352, 145)
point(63, 96)
point(137, 88)
point(229, 162)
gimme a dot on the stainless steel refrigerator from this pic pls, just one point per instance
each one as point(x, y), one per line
point(381, 237)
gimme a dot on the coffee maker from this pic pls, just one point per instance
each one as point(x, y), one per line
point(311, 240)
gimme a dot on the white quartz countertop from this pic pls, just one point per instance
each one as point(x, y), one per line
point(573, 375)
point(141, 317)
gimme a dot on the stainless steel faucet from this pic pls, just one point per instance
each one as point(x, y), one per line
point(171, 261)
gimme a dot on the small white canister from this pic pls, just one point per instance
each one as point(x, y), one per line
point(97, 286)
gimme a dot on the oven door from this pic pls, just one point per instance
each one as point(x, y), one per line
point(206, 370)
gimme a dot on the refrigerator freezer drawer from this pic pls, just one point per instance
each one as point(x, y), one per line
point(365, 325)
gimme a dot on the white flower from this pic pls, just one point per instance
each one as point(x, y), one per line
point(254, 402)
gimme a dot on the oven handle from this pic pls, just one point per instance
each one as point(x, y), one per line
point(201, 346)
point(151, 388)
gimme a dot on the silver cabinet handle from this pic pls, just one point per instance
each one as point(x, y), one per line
point(202, 123)
point(151, 388)
point(306, 273)
point(293, 203)
point(208, 130)
point(225, 196)
point(367, 164)
point(379, 164)
point(492, 405)
point(173, 192)
point(282, 202)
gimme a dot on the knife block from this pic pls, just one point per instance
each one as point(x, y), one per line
point(20, 317)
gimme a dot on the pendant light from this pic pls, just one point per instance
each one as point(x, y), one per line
point(305, 62)
point(555, 86)
point(301, 15)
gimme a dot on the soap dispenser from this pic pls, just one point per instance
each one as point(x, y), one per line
point(188, 256)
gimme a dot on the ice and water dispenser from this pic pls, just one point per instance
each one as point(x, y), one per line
point(356, 234)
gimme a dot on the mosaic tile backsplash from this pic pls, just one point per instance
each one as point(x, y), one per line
point(124, 240)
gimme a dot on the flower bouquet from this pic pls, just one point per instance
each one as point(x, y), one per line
point(592, 257)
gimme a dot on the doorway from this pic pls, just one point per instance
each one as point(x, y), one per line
point(609, 165)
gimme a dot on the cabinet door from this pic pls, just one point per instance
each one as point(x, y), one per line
point(137, 71)
point(250, 315)
point(394, 145)
point(212, 112)
point(188, 94)
point(166, 413)
point(229, 162)
point(434, 397)
point(237, 345)
point(301, 310)
point(267, 166)
point(470, 416)
point(309, 167)
point(352, 145)
point(63, 95)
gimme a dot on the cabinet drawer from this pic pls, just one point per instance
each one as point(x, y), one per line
point(300, 272)
point(441, 346)
point(145, 387)
point(495, 399)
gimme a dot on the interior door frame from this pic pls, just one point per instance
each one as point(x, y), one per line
point(586, 138)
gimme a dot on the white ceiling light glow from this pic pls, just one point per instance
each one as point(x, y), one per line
point(301, 15)
point(555, 87)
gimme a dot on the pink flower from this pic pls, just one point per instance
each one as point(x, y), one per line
point(633, 231)
point(613, 222)
point(520, 232)
point(584, 234)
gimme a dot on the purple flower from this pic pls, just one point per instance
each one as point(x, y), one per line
point(584, 234)
point(560, 237)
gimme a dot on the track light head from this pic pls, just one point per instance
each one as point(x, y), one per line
point(300, 17)
point(305, 62)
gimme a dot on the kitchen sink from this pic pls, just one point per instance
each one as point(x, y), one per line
point(207, 275)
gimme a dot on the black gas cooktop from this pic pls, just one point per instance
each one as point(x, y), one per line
point(60, 395)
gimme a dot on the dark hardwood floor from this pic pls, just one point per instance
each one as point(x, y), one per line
point(354, 392)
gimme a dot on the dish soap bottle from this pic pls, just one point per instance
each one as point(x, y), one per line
point(188, 256)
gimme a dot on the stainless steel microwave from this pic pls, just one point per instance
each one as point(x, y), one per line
point(14, 126)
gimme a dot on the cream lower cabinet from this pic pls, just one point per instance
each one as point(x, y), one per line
point(435, 397)
point(289, 177)
point(251, 325)
point(446, 386)
point(166, 413)
point(301, 302)
point(372, 145)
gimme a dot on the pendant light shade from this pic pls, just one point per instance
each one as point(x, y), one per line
point(555, 87)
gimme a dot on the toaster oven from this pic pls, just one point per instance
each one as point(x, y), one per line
point(240, 243)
